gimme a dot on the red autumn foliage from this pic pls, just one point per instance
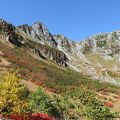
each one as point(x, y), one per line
point(38, 116)
point(37, 82)
point(109, 104)
point(1, 116)
point(30, 116)
point(14, 117)
point(51, 90)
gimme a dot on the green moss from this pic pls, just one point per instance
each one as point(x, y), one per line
point(114, 36)
point(101, 43)
point(99, 37)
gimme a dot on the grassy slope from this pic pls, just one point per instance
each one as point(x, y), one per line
point(108, 64)
point(46, 73)
point(96, 58)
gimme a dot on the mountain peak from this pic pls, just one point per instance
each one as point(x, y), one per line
point(38, 23)
point(2, 20)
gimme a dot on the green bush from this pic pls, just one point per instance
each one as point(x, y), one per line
point(93, 109)
point(96, 111)
point(39, 101)
point(57, 106)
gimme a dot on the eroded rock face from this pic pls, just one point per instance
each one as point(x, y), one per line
point(9, 33)
point(6, 27)
point(48, 52)
point(39, 32)
point(106, 46)
point(63, 42)
point(45, 48)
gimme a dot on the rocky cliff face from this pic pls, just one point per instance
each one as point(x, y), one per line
point(38, 32)
point(45, 45)
point(10, 33)
point(97, 57)
point(107, 45)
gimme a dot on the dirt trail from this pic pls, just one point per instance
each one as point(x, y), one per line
point(115, 98)
point(4, 62)
point(117, 106)
point(30, 85)
point(33, 87)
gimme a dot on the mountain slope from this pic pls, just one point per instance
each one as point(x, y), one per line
point(98, 57)
point(52, 63)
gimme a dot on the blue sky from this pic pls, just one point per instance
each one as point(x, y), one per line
point(76, 19)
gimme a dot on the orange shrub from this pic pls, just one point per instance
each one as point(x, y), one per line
point(30, 116)
point(109, 104)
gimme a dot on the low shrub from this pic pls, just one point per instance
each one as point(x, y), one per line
point(29, 116)
point(109, 104)
point(93, 109)
point(13, 95)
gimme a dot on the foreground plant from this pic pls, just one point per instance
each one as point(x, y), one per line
point(93, 108)
point(13, 95)
point(29, 116)
point(40, 101)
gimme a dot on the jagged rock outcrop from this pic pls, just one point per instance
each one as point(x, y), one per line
point(106, 45)
point(39, 32)
point(9, 33)
point(47, 50)
point(99, 45)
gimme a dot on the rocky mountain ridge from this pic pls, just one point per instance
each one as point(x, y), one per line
point(97, 57)
point(14, 35)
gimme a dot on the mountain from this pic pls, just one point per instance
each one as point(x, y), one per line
point(65, 79)
point(46, 50)
point(97, 57)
